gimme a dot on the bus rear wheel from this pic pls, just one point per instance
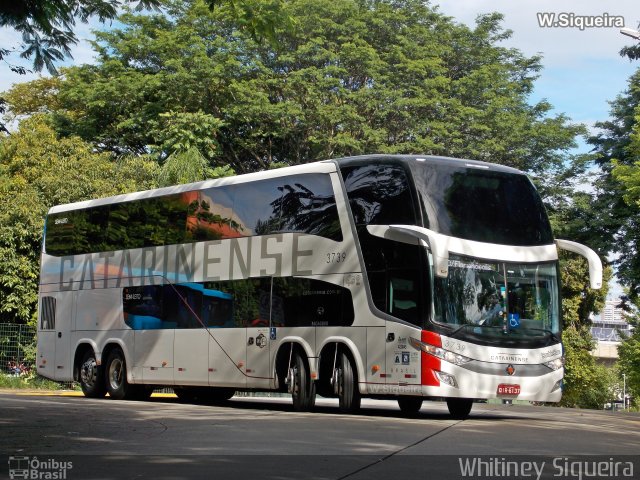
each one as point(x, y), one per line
point(116, 379)
point(459, 408)
point(348, 393)
point(91, 376)
point(410, 405)
point(303, 390)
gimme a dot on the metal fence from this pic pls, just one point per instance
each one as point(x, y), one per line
point(17, 348)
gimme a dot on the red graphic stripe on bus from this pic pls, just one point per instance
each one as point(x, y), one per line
point(430, 363)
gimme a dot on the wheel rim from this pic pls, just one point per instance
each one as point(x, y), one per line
point(295, 390)
point(115, 373)
point(88, 372)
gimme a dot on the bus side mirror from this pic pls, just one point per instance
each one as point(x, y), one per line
point(595, 265)
point(414, 235)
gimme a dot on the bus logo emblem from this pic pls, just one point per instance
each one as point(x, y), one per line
point(510, 370)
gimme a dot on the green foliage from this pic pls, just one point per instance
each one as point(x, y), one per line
point(615, 211)
point(30, 381)
point(629, 364)
point(178, 132)
point(586, 383)
point(39, 170)
point(46, 26)
point(579, 301)
point(189, 166)
point(351, 77)
point(629, 177)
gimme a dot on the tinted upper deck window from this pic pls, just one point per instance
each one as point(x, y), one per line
point(379, 195)
point(482, 205)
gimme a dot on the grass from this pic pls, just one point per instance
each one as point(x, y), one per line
point(31, 381)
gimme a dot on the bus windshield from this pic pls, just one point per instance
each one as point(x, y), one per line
point(483, 205)
point(498, 299)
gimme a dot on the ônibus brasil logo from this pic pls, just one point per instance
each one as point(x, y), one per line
point(34, 468)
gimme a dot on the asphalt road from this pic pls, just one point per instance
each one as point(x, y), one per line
point(79, 438)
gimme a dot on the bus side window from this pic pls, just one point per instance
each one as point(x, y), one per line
point(48, 313)
point(251, 302)
point(306, 302)
point(380, 194)
point(142, 307)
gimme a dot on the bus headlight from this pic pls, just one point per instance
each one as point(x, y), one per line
point(438, 352)
point(447, 379)
point(556, 364)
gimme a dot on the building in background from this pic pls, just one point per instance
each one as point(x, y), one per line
point(608, 330)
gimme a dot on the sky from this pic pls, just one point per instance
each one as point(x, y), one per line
point(582, 69)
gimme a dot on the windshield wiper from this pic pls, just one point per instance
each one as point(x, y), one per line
point(553, 335)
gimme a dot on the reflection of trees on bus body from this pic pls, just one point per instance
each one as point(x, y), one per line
point(299, 209)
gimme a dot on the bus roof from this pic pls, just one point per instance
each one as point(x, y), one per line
point(325, 166)
point(432, 159)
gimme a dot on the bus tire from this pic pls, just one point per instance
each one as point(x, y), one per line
point(410, 405)
point(348, 392)
point(91, 376)
point(459, 408)
point(116, 377)
point(303, 390)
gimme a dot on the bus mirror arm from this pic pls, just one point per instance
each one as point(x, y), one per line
point(595, 265)
point(414, 235)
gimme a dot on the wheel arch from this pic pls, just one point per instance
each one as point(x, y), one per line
point(116, 343)
point(326, 357)
point(281, 358)
point(84, 345)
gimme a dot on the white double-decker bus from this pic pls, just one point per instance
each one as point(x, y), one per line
point(402, 277)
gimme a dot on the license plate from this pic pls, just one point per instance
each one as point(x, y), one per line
point(507, 389)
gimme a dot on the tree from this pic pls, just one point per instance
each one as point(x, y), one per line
point(352, 77)
point(616, 218)
point(39, 170)
point(629, 363)
point(189, 166)
point(586, 384)
point(46, 26)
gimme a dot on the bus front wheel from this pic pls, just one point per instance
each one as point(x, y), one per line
point(348, 393)
point(410, 405)
point(459, 408)
point(91, 376)
point(303, 391)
